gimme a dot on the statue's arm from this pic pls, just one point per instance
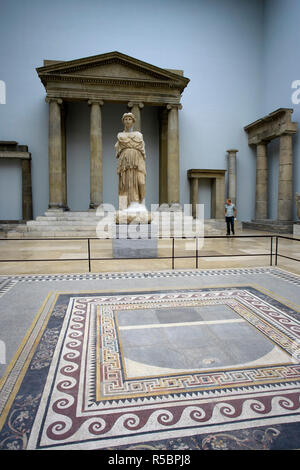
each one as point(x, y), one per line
point(118, 149)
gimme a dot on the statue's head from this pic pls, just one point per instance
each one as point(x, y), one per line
point(127, 117)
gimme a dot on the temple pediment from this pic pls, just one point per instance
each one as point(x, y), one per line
point(111, 70)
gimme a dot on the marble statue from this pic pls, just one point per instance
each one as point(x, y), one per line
point(130, 152)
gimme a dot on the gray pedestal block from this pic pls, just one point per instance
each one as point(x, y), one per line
point(135, 241)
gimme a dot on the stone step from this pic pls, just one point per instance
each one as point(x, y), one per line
point(67, 223)
point(42, 235)
point(70, 214)
point(83, 235)
point(42, 218)
point(83, 224)
point(47, 225)
point(269, 226)
point(59, 228)
point(108, 218)
point(74, 214)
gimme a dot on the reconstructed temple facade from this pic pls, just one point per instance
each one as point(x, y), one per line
point(108, 78)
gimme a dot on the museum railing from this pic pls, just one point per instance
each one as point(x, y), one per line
point(279, 246)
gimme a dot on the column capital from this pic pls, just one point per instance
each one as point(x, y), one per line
point(171, 106)
point(48, 99)
point(135, 103)
point(232, 151)
point(263, 142)
point(100, 102)
point(287, 133)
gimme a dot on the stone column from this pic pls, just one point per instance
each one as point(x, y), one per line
point(218, 197)
point(163, 156)
point(173, 155)
point(56, 174)
point(135, 109)
point(261, 193)
point(64, 155)
point(285, 179)
point(26, 189)
point(96, 155)
point(232, 175)
point(194, 182)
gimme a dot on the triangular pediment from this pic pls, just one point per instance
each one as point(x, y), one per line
point(110, 66)
point(116, 69)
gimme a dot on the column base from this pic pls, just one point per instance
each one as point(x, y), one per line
point(57, 208)
point(94, 207)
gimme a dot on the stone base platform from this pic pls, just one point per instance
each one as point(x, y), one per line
point(69, 224)
point(296, 229)
point(268, 225)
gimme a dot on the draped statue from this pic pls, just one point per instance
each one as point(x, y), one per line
point(130, 152)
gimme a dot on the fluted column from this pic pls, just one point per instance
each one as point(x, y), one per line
point(173, 182)
point(163, 155)
point(135, 109)
point(232, 175)
point(96, 154)
point(261, 193)
point(64, 155)
point(56, 173)
point(285, 179)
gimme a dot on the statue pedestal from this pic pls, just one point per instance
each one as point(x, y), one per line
point(136, 213)
point(135, 241)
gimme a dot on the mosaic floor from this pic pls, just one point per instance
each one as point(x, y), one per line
point(210, 367)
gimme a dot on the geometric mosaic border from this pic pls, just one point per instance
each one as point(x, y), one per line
point(276, 272)
point(56, 405)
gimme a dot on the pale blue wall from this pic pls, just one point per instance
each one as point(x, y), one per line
point(281, 68)
point(218, 44)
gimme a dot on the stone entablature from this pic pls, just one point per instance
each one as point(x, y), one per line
point(114, 77)
point(108, 78)
point(271, 126)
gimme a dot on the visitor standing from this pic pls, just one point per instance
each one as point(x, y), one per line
point(230, 214)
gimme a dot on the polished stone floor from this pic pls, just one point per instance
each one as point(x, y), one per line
point(71, 256)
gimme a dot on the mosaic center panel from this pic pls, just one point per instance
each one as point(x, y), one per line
point(168, 340)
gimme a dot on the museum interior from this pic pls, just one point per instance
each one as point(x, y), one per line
point(149, 225)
